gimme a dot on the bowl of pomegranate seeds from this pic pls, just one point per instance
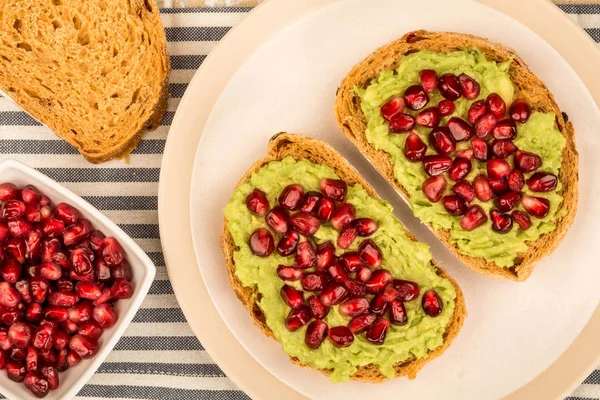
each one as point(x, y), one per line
point(70, 282)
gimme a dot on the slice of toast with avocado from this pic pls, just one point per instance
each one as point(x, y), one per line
point(474, 142)
point(325, 268)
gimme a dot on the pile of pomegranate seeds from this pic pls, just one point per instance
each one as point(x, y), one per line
point(490, 131)
point(59, 280)
point(354, 281)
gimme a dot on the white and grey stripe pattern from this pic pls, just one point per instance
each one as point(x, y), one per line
point(159, 357)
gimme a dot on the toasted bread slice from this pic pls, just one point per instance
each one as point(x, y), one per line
point(300, 147)
point(95, 72)
point(527, 86)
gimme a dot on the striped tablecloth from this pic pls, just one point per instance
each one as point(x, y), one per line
point(159, 357)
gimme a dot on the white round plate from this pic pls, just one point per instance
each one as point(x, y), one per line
point(514, 331)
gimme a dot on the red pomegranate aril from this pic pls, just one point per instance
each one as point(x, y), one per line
point(351, 261)
point(50, 270)
point(465, 190)
point(519, 111)
point(538, 207)
point(317, 308)
point(9, 297)
point(390, 292)
point(503, 148)
point(61, 362)
point(314, 281)
point(378, 330)
point(542, 182)
point(311, 201)
point(324, 255)
point(22, 287)
point(19, 227)
point(67, 213)
point(43, 338)
point(34, 312)
point(293, 297)
point(88, 328)
point(96, 241)
point(354, 306)
point(446, 107)
point(485, 125)
point(527, 162)
point(361, 323)
point(476, 111)
point(496, 105)
point(37, 384)
point(498, 186)
point(18, 354)
point(415, 97)
point(442, 141)
point(33, 245)
point(507, 201)
point(261, 242)
point(369, 254)
point(122, 271)
point(105, 297)
point(8, 191)
point(325, 209)
point(53, 227)
point(347, 236)
point(473, 218)
point(501, 222)
point(498, 168)
point(15, 371)
point(392, 107)
point(334, 294)
point(454, 205)
point(30, 194)
point(33, 213)
point(5, 342)
point(505, 129)
point(470, 87)
point(355, 288)
point(340, 336)
point(20, 334)
point(467, 154)
point(56, 314)
point(431, 303)
point(305, 223)
point(378, 281)
point(3, 359)
point(62, 299)
point(316, 332)
point(80, 312)
point(343, 215)
point(105, 315)
point(84, 277)
point(88, 290)
point(402, 123)
point(449, 87)
point(73, 359)
point(278, 219)
point(9, 317)
point(297, 318)
point(112, 252)
point(84, 346)
point(13, 209)
point(429, 80)
point(288, 273)
point(75, 233)
point(291, 197)
point(436, 165)
point(4, 234)
point(337, 272)
point(522, 219)
point(47, 356)
point(305, 255)
point(515, 180)
point(70, 326)
point(407, 290)
point(398, 314)
point(49, 248)
point(365, 226)
point(61, 339)
point(257, 202)
point(288, 243)
point(10, 270)
point(414, 147)
point(82, 260)
point(121, 289)
point(428, 118)
point(16, 248)
point(45, 212)
point(434, 188)
point(460, 129)
point(51, 374)
point(460, 169)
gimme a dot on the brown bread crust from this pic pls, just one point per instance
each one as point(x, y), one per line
point(299, 147)
point(529, 87)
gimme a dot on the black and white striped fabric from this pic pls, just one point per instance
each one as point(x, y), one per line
point(159, 357)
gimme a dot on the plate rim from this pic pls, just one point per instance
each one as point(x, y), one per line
point(269, 18)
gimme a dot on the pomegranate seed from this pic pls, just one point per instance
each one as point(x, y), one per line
point(3, 232)
point(446, 107)
point(324, 255)
point(515, 180)
point(431, 303)
point(378, 281)
point(305, 256)
point(9, 317)
point(505, 129)
point(434, 188)
point(297, 318)
point(522, 219)
point(508, 201)
point(527, 162)
point(337, 272)
point(501, 223)
point(428, 118)
point(485, 125)
point(13, 209)
point(311, 201)
point(82, 260)
point(19, 227)
point(104, 297)
point(343, 215)
point(61, 339)
point(470, 87)
point(261, 242)
point(496, 105)
point(288, 243)
point(476, 111)
point(351, 261)
point(407, 290)
point(519, 111)
point(460, 129)
point(10, 270)
point(49, 248)
point(402, 123)
point(305, 223)
point(442, 141)
point(414, 148)
point(325, 209)
point(61, 364)
point(9, 297)
point(51, 374)
point(20, 334)
point(34, 312)
point(89, 328)
point(473, 218)
point(80, 312)
point(503, 148)
point(335, 189)
point(365, 226)
point(378, 330)
point(22, 287)
point(105, 315)
point(347, 236)
point(3, 359)
point(498, 168)
point(361, 323)
point(45, 212)
point(33, 245)
point(18, 355)
point(340, 336)
point(69, 326)
point(257, 202)
point(67, 213)
point(278, 219)
point(43, 338)
point(16, 371)
point(96, 241)
point(354, 306)
point(291, 197)
point(112, 252)
point(291, 296)
point(50, 270)
point(5, 342)
point(73, 359)
point(121, 289)
point(88, 290)
point(63, 299)
point(542, 182)
point(389, 292)
point(355, 288)
point(449, 87)
point(498, 186)
point(465, 190)
point(429, 80)
point(84, 346)
point(288, 273)
point(77, 232)
point(37, 384)
point(460, 169)
point(314, 281)
point(455, 205)
point(53, 227)
point(369, 254)
point(9, 191)
point(391, 108)
point(398, 314)
point(315, 334)
point(33, 213)
point(85, 277)
point(333, 294)
point(56, 314)
point(415, 97)
point(30, 194)
point(45, 200)
point(33, 271)
point(536, 206)
point(467, 154)
point(102, 271)
point(436, 165)
point(317, 308)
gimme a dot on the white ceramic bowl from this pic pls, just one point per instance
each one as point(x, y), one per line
point(143, 269)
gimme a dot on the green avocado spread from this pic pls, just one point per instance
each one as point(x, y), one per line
point(405, 258)
point(538, 135)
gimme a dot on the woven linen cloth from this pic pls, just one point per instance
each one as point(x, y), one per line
point(159, 357)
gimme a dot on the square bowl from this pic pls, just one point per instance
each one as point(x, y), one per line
point(143, 271)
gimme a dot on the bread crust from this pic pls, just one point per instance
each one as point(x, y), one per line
point(299, 147)
point(528, 86)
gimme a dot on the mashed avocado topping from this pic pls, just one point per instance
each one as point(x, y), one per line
point(403, 257)
point(538, 135)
